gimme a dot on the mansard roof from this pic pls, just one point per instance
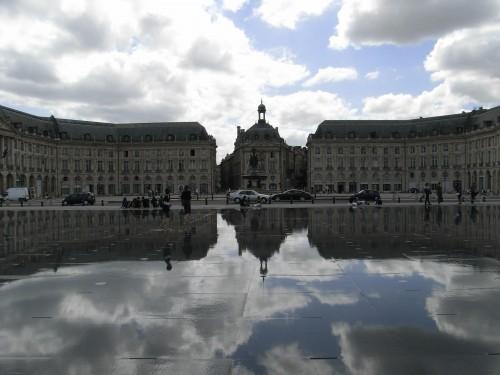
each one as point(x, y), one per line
point(101, 131)
point(430, 126)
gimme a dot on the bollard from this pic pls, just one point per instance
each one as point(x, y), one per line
point(314, 195)
point(212, 196)
point(333, 200)
point(399, 199)
point(206, 201)
point(291, 200)
point(41, 203)
point(102, 202)
point(312, 200)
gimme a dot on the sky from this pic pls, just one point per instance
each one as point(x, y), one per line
point(212, 61)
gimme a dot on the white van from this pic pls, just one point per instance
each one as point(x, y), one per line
point(17, 194)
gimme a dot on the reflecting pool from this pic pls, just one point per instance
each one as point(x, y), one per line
point(392, 290)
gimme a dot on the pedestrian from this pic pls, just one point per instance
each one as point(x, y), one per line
point(427, 192)
point(186, 199)
point(124, 202)
point(459, 194)
point(473, 192)
point(439, 192)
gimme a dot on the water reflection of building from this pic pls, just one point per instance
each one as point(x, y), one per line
point(392, 231)
point(262, 231)
point(33, 238)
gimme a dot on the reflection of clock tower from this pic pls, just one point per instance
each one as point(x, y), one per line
point(262, 160)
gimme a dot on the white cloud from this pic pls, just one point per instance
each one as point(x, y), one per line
point(299, 114)
point(287, 13)
point(331, 74)
point(438, 101)
point(137, 61)
point(233, 5)
point(468, 61)
point(375, 22)
point(372, 75)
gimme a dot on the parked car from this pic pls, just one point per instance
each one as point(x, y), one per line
point(79, 198)
point(16, 194)
point(250, 195)
point(296, 195)
point(365, 195)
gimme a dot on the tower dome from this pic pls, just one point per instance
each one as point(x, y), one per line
point(262, 111)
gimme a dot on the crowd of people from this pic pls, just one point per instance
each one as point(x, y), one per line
point(162, 201)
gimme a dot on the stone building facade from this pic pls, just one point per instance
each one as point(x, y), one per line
point(262, 160)
point(57, 156)
point(402, 155)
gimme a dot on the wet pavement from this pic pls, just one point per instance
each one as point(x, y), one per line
point(372, 290)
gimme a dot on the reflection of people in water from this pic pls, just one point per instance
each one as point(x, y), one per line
point(167, 255)
point(427, 215)
point(473, 214)
point(263, 267)
point(187, 246)
point(59, 254)
point(458, 216)
point(439, 216)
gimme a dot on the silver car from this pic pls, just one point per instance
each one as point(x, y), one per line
point(250, 195)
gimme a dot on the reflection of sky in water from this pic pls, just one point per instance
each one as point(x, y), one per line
point(372, 291)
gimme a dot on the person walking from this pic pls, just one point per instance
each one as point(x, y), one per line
point(473, 192)
point(459, 194)
point(439, 192)
point(186, 199)
point(427, 192)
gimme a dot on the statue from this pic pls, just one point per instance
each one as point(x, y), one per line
point(254, 160)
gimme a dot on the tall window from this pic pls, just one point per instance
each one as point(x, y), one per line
point(88, 165)
point(77, 165)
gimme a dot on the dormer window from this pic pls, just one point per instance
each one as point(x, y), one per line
point(110, 138)
point(45, 133)
point(170, 137)
point(192, 137)
point(396, 135)
point(148, 138)
point(63, 135)
point(351, 135)
point(87, 137)
point(373, 134)
point(435, 131)
point(125, 138)
point(460, 130)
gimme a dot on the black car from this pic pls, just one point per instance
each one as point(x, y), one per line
point(365, 195)
point(79, 198)
point(296, 195)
